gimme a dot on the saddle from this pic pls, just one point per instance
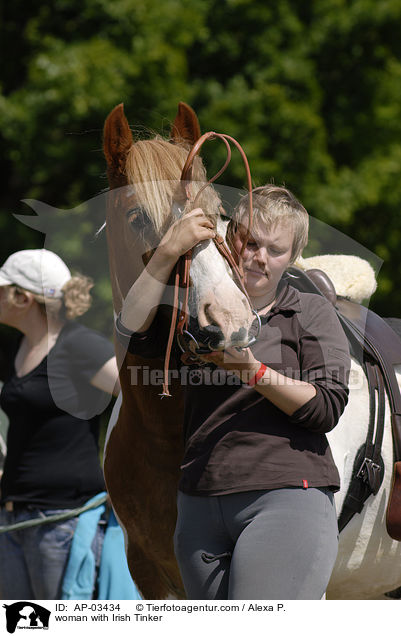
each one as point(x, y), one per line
point(377, 347)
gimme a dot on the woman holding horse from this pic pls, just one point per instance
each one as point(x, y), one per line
point(53, 394)
point(256, 514)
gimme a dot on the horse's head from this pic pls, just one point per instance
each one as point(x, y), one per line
point(146, 196)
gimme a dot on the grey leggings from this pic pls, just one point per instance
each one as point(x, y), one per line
point(265, 544)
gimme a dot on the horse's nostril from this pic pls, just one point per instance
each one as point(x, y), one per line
point(211, 335)
point(239, 336)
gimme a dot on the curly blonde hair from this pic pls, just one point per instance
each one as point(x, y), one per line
point(76, 299)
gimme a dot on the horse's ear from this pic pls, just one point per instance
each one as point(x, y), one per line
point(117, 140)
point(185, 126)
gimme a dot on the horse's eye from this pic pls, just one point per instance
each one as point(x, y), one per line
point(137, 218)
point(223, 214)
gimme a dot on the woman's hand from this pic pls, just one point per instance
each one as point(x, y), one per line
point(185, 233)
point(284, 392)
point(243, 363)
point(141, 303)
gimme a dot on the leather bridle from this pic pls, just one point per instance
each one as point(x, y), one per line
point(182, 269)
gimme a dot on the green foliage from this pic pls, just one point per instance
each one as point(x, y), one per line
point(311, 90)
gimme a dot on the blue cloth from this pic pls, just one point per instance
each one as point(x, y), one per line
point(79, 577)
point(115, 581)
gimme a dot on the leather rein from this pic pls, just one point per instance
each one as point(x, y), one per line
point(182, 269)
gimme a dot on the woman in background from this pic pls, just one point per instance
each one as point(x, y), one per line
point(53, 393)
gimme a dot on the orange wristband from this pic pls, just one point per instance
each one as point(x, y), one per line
point(258, 375)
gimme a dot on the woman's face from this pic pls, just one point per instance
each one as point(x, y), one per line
point(266, 257)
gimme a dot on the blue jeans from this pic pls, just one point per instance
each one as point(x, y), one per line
point(33, 560)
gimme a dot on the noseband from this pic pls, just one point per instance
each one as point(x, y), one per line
point(182, 270)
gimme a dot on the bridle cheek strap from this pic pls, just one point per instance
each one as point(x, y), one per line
point(181, 279)
point(186, 174)
point(237, 270)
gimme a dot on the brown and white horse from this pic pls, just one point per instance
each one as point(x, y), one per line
point(144, 442)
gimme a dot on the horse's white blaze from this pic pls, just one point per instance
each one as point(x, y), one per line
point(214, 295)
point(369, 561)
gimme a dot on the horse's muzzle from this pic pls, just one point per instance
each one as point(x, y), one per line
point(211, 338)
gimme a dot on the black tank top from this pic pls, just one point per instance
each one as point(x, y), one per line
point(52, 444)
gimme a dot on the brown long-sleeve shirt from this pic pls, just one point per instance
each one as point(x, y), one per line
point(237, 440)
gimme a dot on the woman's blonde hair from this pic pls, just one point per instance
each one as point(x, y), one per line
point(273, 205)
point(75, 301)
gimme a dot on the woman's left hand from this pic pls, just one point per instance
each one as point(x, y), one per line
point(241, 362)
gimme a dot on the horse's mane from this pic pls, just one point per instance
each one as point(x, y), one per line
point(154, 168)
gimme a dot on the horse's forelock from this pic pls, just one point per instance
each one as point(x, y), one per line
point(154, 167)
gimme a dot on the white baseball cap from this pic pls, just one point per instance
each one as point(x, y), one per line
point(38, 271)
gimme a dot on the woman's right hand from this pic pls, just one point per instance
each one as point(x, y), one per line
point(185, 233)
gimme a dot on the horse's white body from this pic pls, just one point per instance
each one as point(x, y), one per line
point(369, 561)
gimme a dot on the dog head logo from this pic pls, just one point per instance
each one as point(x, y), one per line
point(26, 615)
